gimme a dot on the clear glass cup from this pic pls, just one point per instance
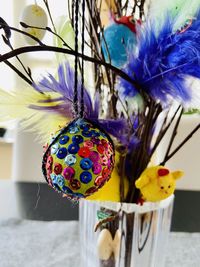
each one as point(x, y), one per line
point(130, 235)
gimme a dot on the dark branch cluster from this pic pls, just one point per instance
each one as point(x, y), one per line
point(105, 76)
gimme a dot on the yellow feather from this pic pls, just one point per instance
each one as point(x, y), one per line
point(15, 105)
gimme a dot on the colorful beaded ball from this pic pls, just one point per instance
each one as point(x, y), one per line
point(79, 160)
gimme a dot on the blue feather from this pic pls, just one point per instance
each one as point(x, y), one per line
point(164, 61)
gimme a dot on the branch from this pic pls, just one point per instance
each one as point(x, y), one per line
point(49, 13)
point(175, 131)
point(28, 49)
point(182, 144)
point(24, 25)
point(22, 32)
point(18, 72)
point(163, 132)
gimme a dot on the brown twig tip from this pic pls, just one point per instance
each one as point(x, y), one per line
point(5, 27)
point(23, 24)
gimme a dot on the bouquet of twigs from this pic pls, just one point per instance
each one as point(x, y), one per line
point(139, 57)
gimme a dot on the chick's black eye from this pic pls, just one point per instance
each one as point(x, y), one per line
point(169, 186)
point(162, 187)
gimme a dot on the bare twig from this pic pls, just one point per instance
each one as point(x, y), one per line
point(45, 29)
point(25, 33)
point(164, 130)
point(29, 49)
point(49, 13)
point(175, 130)
point(181, 144)
point(21, 75)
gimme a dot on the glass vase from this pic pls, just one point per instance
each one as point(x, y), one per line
point(124, 235)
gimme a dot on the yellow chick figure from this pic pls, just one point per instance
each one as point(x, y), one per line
point(111, 190)
point(157, 183)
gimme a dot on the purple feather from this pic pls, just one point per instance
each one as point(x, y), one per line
point(119, 128)
point(164, 61)
point(65, 87)
point(113, 127)
point(64, 104)
point(64, 109)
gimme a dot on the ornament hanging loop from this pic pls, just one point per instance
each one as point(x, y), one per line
point(79, 112)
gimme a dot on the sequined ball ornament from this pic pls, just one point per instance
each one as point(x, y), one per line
point(79, 160)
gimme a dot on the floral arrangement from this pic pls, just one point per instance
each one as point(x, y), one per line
point(141, 61)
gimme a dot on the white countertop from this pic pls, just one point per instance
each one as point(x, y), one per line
point(56, 244)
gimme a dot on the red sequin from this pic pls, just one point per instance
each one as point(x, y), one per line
point(105, 173)
point(84, 152)
point(58, 168)
point(91, 190)
point(50, 160)
point(75, 184)
point(100, 149)
point(104, 143)
point(99, 181)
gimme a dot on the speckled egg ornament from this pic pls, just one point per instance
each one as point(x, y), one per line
point(79, 160)
point(34, 15)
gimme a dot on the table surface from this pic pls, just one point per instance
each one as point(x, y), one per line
point(26, 243)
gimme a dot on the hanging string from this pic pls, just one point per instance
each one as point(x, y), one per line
point(82, 65)
point(72, 14)
point(75, 100)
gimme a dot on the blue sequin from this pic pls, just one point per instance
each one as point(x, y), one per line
point(80, 122)
point(73, 148)
point(103, 134)
point(77, 139)
point(64, 139)
point(62, 153)
point(79, 195)
point(95, 133)
point(86, 177)
point(53, 177)
point(86, 133)
point(67, 190)
point(60, 180)
point(54, 148)
point(86, 164)
point(84, 127)
point(56, 187)
point(73, 129)
point(70, 160)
